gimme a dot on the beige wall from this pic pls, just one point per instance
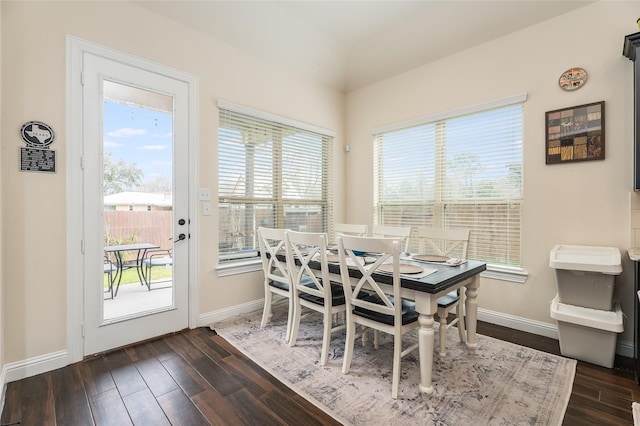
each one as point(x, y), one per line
point(33, 82)
point(576, 203)
point(580, 203)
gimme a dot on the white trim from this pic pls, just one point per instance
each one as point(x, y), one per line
point(75, 302)
point(623, 347)
point(518, 323)
point(194, 205)
point(33, 366)
point(247, 254)
point(75, 291)
point(497, 103)
point(232, 311)
point(3, 386)
point(505, 273)
point(226, 269)
point(230, 106)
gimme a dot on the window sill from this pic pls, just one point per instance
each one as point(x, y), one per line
point(505, 273)
point(225, 269)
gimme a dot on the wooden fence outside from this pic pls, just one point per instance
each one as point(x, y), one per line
point(129, 227)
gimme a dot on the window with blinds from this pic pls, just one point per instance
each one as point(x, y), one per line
point(458, 170)
point(270, 173)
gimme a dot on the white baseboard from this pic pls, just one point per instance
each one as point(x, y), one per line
point(32, 366)
point(3, 388)
point(623, 347)
point(518, 323)
point(222, 314)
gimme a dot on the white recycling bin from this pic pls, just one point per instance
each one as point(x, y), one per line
point(588, 334)
point(585, 275)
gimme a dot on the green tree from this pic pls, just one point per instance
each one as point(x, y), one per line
point(120, 176)
point(464, 167)
point(158, 184)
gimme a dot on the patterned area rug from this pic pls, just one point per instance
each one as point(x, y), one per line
point(502, 384)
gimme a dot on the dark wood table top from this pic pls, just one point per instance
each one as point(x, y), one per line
point(446, 276)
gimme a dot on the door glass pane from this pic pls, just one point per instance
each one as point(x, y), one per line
point(138, 202)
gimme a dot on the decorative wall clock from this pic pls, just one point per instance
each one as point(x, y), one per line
point(572, 79)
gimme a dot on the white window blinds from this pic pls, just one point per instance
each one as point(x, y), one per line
point(457, 171)
point(270, 174)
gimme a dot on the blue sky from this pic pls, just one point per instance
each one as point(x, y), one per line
point(140, 136)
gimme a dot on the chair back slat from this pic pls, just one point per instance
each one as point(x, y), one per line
point(387, 251)
point(302, 249)
point(359, 230)
point(385, 231)
point(443, 242)
point(272, 243)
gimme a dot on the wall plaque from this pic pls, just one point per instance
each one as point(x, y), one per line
point(36, 156)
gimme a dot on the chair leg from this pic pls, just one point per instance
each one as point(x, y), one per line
point(326, 338)
point(348, 346)
point(295, 323)
point(397, 350)
point(376, 339)
point(266, 312)
point(289, 320)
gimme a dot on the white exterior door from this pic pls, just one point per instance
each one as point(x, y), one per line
point(135, 195)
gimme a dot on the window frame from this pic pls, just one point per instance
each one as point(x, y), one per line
point(514, 273)
point(229, 265)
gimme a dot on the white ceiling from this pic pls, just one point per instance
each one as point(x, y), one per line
point(347, 45)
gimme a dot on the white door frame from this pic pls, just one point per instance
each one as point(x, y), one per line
point(75, 287)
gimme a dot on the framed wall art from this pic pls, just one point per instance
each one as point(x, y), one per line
point(575, 133)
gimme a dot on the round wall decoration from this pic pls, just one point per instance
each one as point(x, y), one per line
point(37, 134)
point(572, 79)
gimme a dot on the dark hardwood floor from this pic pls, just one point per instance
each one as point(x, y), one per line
point(197, 378)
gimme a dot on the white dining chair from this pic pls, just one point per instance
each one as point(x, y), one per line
point(385, 231)
point(357, 229)
point(276, 273)
point(447, 243)
point(312, 287)
point(369, 305)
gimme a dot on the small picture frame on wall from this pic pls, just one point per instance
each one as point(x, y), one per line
point(575, 133)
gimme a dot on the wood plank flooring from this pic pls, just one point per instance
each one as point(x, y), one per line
point(196, 378)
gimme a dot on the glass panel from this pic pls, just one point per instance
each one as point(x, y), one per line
point(138, 202)
point(272, 175)
point(462, 172)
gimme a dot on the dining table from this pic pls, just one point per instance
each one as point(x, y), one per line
point(140, 250)
point(424, 290)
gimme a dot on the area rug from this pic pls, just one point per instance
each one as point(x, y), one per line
point(501, 384)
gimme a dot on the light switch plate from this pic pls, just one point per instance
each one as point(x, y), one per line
point(206, 209)
point(204, 194)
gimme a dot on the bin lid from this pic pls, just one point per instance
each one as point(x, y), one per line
point(606, 260)
point(592, 318)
